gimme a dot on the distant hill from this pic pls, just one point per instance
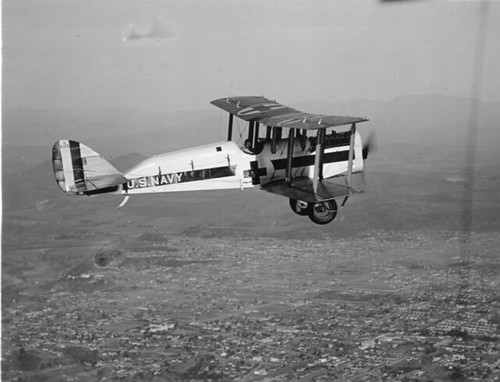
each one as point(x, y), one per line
point(16, 159)
point(26, 189)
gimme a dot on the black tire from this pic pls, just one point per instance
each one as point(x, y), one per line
point(323, 212)
point(299, 207)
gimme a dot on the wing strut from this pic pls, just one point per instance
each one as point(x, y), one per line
point(318, 160)
point(276, 135)
point(303, 138)
point(268, 133)
point(251, 126)
point(289, 157)
point(351, 155)
point(230, 128)
point(256, 135)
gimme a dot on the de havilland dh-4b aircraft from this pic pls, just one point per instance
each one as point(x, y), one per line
point(286, 152)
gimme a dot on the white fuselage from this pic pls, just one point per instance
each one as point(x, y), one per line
point(224, 165)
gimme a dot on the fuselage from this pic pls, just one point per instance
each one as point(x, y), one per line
point(224, 165)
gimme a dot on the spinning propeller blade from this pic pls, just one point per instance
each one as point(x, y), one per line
point(369, 145)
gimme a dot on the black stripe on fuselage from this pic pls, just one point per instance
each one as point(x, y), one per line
point(308, 160)
point(77, 164)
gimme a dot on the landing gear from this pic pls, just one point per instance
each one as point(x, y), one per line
point(299, 207)
point(323, 212)
point(318, 212)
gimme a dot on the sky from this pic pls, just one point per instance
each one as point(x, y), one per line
point(170, 55)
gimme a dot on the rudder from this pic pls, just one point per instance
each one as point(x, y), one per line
point(80, 170)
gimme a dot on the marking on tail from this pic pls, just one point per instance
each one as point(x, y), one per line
point(67, 168)
point(76, 160)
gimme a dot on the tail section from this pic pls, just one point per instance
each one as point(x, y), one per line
point(80, 170)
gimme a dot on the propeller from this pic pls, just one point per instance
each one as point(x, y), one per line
point(369, 145)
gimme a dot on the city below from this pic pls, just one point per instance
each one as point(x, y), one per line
point(379, 306)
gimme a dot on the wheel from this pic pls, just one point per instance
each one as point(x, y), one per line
point(299, 207)
point(323, 212)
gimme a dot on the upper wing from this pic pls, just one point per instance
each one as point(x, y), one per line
point(272, 113)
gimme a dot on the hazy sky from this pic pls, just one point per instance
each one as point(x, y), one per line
point(181, 54)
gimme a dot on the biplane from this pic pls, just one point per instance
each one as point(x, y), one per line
point(285, 151)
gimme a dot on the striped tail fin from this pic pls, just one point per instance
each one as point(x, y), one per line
point(80, 170)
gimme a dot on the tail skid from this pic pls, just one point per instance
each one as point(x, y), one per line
point(80, 170)
point(122, 204)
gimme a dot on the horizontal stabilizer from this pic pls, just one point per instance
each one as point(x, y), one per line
point(302, 189)
point(80, 170)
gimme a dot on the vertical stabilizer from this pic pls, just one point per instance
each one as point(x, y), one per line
point(80, 170)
